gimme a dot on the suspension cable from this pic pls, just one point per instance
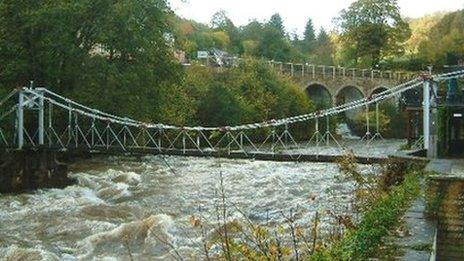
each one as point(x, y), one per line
point(89, 112)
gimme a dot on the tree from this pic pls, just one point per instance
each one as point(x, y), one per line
point(277, 23)
point(248, 92)
point(420, 29)
point(273, 43)
point(252, 31)
point(220, 107)
point(221, 22)
point(445, 43)
point(373, 29)
point(309, 37)
point(324, 48)
point(221, 40)
point(249, 47)
point(114, 55)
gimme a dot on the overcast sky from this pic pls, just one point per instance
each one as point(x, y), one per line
point(295, 12)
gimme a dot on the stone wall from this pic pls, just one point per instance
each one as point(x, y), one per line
point(446, 204)
point(27, 170)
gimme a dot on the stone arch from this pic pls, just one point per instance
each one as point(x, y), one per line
point(395, 100)
point(378, 90)
point(320, 95)
point(348, 94)
point(349, 88)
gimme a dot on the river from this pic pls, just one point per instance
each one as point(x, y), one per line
point(141, 204)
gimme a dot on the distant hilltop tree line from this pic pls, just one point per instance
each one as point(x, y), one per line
point(368, 34)
point(118, 56)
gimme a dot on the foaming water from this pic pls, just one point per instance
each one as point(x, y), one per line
point(141, 207)
point(379, 148)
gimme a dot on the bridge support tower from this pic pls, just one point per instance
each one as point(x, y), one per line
point(33, 103)
point(430, 117)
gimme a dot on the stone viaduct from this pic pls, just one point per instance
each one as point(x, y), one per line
point(329, 85)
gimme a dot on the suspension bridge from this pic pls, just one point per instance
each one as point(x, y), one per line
point(38, 118)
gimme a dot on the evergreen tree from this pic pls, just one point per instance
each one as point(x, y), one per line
point(309, 37)
point(324, 48)
point(277, 23)
point(273, 43)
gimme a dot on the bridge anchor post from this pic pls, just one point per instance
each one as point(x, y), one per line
point(429, 118)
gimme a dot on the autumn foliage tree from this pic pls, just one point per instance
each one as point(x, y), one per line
point(445, 41)
point(372, 30)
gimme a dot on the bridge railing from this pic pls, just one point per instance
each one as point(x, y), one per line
point(306, 70)
point(314, 71)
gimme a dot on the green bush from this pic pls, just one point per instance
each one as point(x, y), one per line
point(363, 242)
point(250, 92)
point(220, 107)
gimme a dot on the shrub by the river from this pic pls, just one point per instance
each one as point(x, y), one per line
point(383, 215)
